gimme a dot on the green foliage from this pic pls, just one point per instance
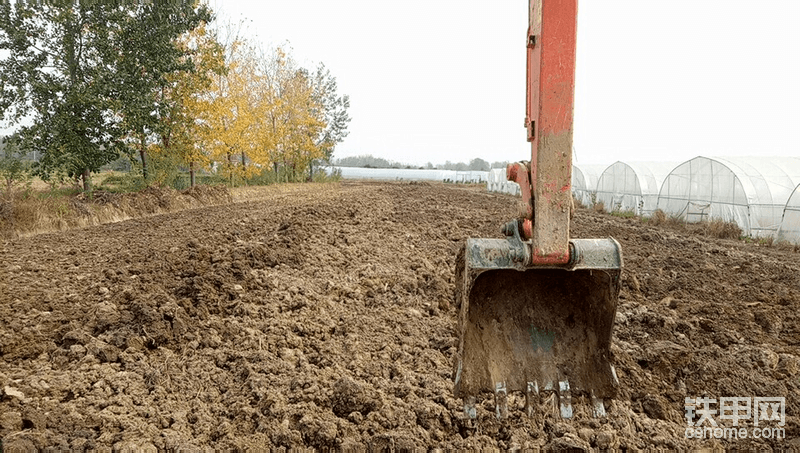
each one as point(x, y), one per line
point(367, 161)
point(14, 171)
point(52, 72)
point(334, 111)
point(88, 75)
point(320, 175)
point(145, 55)
point(623, 214)
point(121, 183)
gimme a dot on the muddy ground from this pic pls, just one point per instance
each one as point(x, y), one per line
point(321, 316)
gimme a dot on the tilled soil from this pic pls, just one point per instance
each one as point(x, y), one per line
point(321, 316)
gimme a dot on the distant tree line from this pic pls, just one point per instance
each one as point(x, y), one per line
point(369, 161)
point(88, 82)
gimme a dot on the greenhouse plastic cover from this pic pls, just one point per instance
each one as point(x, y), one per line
point(584, 181)
point(632, 186)
point(751, 191)
point(498, 182)
point(790, 226)
point(410, 174)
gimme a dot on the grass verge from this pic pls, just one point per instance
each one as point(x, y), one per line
point(26, 213)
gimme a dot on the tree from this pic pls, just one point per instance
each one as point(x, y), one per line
point(295, 114)
point(264, 111)
point(334, 113)
point(13, 169)
point(479, 164)
point(186, 99)
point(147, 55)
point(53, 74)
point(88, 75)
point(230, 112)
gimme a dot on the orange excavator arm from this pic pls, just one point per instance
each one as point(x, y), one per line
point(537, 309)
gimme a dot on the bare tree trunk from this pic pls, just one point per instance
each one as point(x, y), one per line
point(230, 166)
point(87, 180)
point(143, 155)
point(191, 174)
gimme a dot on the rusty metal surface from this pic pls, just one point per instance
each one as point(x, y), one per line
point(551, 145)
point(512, 253)
point(519, 173)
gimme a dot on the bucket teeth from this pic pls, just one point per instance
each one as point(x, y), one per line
point(565, 399)
point(469, 408)
point(501, 400)
point(598, 407)
point(554, 398)
point(531, 398)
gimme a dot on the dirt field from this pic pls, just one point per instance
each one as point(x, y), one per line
point(320, 316)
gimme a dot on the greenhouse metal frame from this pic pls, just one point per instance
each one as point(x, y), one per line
point(632, 186)
point(751, 191)
point(789, 230)
point(584, 182)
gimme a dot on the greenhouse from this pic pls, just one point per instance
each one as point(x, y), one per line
point(632, 186)
point(498, 183)
point(790, 225)
point(751, 191)
point(410, 174)
point(584, 182)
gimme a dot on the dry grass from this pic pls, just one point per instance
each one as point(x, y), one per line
point(25, 213)
point(254, 193)
point(599, 207)
point(787, 246)
point(718, 228)
point(658, 218)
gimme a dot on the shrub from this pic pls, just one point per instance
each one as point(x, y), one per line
point(14, 171)
point(721, 229)
point(600, 207)
point(768, 241)
point(624, 214)
point(320, 175)
point(658, 218)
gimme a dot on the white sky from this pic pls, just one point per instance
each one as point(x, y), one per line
point(445, 80)
point(438, 80)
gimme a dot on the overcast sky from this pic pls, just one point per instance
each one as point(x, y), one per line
point(431, 81)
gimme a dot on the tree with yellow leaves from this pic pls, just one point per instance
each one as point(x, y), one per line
point(266, 112)
point(307, 118)
point(230, 117)
point(186, 97)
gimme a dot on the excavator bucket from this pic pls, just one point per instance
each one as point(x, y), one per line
point(542, 331)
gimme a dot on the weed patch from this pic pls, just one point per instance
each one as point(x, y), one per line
point(718, 228)
point(599, 207)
